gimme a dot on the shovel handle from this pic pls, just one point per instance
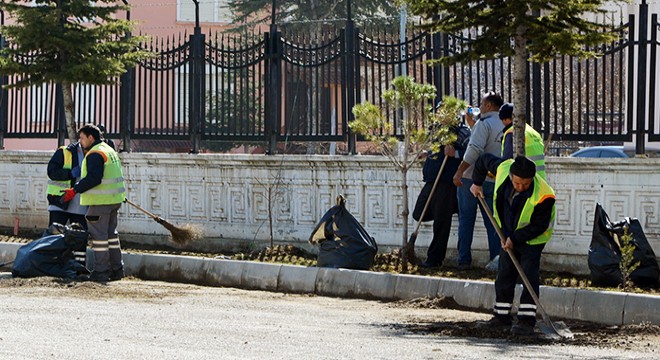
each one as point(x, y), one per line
point(428, 201)
point(524, 278)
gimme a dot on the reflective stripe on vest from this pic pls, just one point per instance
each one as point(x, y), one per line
point(55, 187)
point(534, 148)
point(111, 190)
point(540, 192)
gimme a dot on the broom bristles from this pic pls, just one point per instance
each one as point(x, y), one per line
point(184, 234)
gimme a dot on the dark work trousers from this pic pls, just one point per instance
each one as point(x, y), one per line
point(102, 222)
point(62, 217)
point(444, 205)
point(529, 257)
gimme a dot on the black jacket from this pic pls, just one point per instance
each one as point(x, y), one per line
point(56, 170)
point(510, 213)
point(95, 167)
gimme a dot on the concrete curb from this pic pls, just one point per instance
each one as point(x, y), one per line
point(605, 307)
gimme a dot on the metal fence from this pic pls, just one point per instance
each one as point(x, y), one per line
point(291, 85)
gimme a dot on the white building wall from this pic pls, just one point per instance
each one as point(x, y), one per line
point(228, 196)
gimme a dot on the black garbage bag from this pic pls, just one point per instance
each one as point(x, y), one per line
point(51, 255)
point(605, 253)
point(343, 242)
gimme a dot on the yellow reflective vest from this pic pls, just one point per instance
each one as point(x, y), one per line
point(540, 192)
point(112, 189)
point(534, 148)
point(55, 187)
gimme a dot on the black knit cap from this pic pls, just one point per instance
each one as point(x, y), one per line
point(523, 167)
point(506, 111)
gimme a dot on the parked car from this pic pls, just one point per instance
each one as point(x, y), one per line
point(613, 151)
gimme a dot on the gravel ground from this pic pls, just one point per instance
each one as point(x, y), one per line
point(45, 318)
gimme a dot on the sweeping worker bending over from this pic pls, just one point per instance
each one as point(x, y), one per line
point(102, 189)
point(524, 208)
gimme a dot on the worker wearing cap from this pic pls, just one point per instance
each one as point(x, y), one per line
point(534, 148)
point(524, 208)
point(103, 190)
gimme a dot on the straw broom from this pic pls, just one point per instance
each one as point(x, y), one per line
point(180, 235)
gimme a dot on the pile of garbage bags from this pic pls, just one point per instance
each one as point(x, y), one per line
point(605, 252)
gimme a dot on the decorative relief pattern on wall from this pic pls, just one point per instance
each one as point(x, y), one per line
point(238, 206)
point(6, 187)
point(581, 208)
point(197, 203)
point(23, 194)
point(175, 200)
point(649, 209)
point(217, 195)
point(306, 200)
point(260, 202)
point(377, 207)
point(234, 205)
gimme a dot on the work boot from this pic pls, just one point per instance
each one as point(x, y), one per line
point(464, 267)
point(117, 274)
point(496, 322)
point(429, 265)
point(100, 276)
point(522, 329)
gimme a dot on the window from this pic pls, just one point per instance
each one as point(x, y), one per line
point(210, 11)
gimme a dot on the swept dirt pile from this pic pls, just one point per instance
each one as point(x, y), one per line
point(641, 337)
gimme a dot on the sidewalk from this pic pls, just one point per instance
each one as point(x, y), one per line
point(605, 307)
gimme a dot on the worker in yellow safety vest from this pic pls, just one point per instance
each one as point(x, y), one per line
point(524, 208)
point(102, 189)
point(64, 169)
point(534, 148)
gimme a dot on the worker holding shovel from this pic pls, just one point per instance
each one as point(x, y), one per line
point(437, 200)
point(102, 189)
point(524, 209)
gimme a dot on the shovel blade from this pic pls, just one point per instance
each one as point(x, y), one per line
point(556, 330)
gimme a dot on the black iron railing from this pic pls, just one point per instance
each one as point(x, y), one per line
point(293, 85)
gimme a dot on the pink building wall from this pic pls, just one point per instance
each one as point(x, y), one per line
point(157, 19)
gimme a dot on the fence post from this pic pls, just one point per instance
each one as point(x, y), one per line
point(652, 77)
point(4, 79)
point(127, 108)
point(197, 83)
point(642, 41)
point(274, 83)
point(440, 71)
point(126, 100)
point(351, 91)
point(60, 116)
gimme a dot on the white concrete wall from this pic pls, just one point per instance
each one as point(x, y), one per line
point(227, 195)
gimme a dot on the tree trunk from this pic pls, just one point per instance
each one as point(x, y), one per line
point(519, 95)
point(69, 111)
point(404, 214)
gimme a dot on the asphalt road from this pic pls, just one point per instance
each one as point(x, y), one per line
point(133, 319)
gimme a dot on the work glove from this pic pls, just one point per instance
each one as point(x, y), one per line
point(68, 194)
point(75, 172)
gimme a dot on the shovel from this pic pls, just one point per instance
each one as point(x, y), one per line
point(410, 245)
point(552, 330)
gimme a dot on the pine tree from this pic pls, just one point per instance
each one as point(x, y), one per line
point(536, 30)
point(67, 42)
point(421, 129)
